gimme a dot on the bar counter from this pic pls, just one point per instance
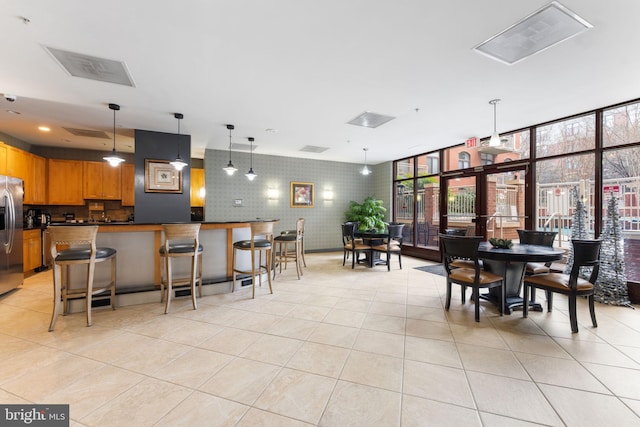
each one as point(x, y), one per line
point(138, 259)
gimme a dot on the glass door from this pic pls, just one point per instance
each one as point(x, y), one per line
point(504, 210)
point(463, 204)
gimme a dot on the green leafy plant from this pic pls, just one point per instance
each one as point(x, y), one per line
point(369, 214)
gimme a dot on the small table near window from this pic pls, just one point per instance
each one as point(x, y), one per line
point(371, 238)
point(510, 264)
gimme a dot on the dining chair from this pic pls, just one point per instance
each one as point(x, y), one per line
point(180, 241)
point(586, 253)
point(76, 245)
point(392, 244)
point(351, 245)
point(261, 241)
point(466, 248)
point(282, 253)
point(541, 238)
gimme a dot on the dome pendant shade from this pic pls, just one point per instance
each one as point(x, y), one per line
point(113, 159)
point(495, 138)
point(178, 163)
point(230, 169)
point(365, 170)
point(251, 175)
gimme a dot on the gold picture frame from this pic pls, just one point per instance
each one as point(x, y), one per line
point(161, 177)
point(302, 194)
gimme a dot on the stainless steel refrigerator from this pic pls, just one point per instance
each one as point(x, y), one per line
point(11, 272)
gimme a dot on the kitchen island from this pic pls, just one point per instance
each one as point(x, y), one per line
point(139, 265)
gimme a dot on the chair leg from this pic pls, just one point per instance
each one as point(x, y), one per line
point(344, 256)
point(476, 298)
point(90, 275)
point(400, 260)
point(463, 295)
point(296, 247)
point(549, 300)
point(388, 261)
point(447, 304)
point(200, 276)
point(194, 278)
point(253, 274)
point(573, 316)
point(354, 255)
point(57, 295)
point(233, 267)
point(592, 310)
point(268, 261)
point(113, 282)
point(169, 286)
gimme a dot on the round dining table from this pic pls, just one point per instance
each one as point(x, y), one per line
point(510, 263)
point(371, 238)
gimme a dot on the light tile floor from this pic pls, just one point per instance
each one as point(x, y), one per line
point(339, 347)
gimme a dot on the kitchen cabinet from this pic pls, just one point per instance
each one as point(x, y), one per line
point(34, 180)
point(101, 181)
point(64, 182)
point(197, 188)
point(16, 162)
point(3, 159)
point(128, 184)
point(32, 249)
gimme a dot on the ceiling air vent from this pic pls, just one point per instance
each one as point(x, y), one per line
point(370, 120)
point(541, 30)
point(243, 147)
point(92, 67)
point(314, 149)
point(87, 133)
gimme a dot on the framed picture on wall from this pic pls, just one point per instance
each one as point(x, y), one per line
point(161, 177)
point(302, 194)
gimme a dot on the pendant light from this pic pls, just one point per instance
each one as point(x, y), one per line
point(178, 163)
point(230, 169)
point(251, 174)
point(365, 170)
point(113, 159)
point(495, 138)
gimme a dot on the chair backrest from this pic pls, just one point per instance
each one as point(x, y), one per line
point(181, 232)
point(395, 233)
point(262, 230)
point(456, 231)
point(300, 228)
point(456, 247)
point(348, 228)
point(73, 236)
point(586, 253)
point(534, 237)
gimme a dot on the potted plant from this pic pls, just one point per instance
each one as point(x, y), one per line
point(368, 214)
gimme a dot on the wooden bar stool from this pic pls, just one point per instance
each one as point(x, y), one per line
point(76, 245)
point(181, 240)
point(283, 253)
point(261, 241)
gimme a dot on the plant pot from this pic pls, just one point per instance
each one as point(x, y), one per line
point(634, 292)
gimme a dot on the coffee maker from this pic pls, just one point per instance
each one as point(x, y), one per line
point(42, 218)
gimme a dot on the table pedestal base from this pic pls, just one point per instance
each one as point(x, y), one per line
point(511, 302)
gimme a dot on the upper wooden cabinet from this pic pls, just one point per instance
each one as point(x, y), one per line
point(102, 181)
point(35, 189)
point(16, 162)
point(197, 187)
point(128, 184)
point(3, 159)
point(64, 181)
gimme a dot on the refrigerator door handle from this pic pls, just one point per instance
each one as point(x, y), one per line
point(10, 221)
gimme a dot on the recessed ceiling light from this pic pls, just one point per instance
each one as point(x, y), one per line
point(13, 112)
point(271, 130)
point(544, 28)
point(44, 128)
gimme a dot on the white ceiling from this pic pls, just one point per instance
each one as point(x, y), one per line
point(305, 68)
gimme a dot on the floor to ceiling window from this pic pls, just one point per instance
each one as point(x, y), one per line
point(532, 179)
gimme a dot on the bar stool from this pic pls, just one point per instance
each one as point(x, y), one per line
point(76, 245)
point(304, 262)
point(261, 241)
point(283, 253)
point(181, 240)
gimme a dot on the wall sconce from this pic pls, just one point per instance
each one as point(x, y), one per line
point(202, 192)
point(328, 195)
point(273, 194)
